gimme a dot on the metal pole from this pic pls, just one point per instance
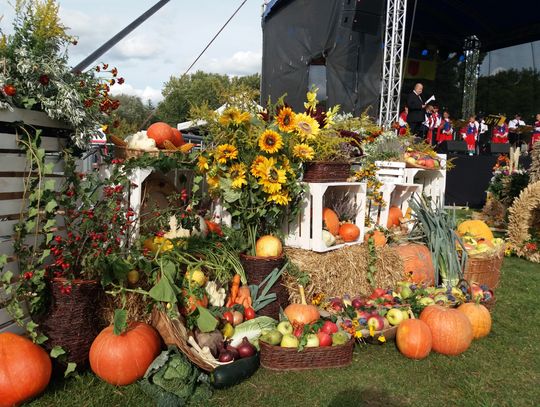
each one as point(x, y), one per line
point(118, 37)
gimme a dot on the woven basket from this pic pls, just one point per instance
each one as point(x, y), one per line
point(327, 171)
point(490, 304)
point(388, 333)
point(72, 321)
point(257, 268)
point(278, 358)
point(484, 270)
point(127, 153)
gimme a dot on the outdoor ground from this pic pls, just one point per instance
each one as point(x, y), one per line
point(500, 370)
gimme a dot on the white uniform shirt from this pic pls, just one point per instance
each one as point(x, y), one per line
point(514, 124)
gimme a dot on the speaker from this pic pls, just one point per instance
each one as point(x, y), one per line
point(452, 146)
point(499, 148)
point(364, 16)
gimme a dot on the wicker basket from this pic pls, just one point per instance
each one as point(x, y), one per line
point(484, 270)
point(278, 358)
point(327, 171)
point(127, 153)
point(388, 333)
point(257, 268)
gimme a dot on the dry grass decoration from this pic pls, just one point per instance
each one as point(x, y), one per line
point(534, 171)
point(524, 217)
point(343, 271)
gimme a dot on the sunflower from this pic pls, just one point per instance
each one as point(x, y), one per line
point(202, 163)
point(286, 119)
point(213, 182)
point(226, 152)
point(270, 141)
point(238, 175)
point(280, 198)
point(312, 101)
point(233, 116)
point(271, 177)
point(304, 152)
point(306, 126)
point(255, 171)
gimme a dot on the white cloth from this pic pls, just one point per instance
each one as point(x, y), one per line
point(514, 124)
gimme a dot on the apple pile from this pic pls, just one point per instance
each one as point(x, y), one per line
point(418, 158)
point(481, 247)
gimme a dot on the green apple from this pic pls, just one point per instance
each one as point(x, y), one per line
point(312, 341)
point(394, 316)
point(339, 338)
point(289, 341)
point(272, 338)
point(441, 298)
point(285, 327)
point(426, 301)
point(405, 314)
point(405, 292)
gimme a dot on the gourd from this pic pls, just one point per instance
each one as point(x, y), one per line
point(394, 215)
point(478, 229)
point(302, 313)
point(349, 232)
point(417, 263)
point(160, 132)
point(25, 369)
point(122, 359)
point(479, 317)
point(413, 339)
point(451, 330)
point(378, 237)
point(331, 221)
point(328, 238)
point(141, 141)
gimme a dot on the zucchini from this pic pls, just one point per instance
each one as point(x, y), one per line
point(234, 373)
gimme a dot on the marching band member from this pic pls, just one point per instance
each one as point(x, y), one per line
point(500, 133)
point(445, 132)
point(470, 134)
point(513, 125)
point(433, 122)
point(426, 124)
point(402, 121)
point(536, 131)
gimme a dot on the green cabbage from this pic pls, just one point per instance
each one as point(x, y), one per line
point(252, 329)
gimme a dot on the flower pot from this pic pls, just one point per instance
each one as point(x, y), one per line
point(257, 268)
point(327, 171)
point(72, 320)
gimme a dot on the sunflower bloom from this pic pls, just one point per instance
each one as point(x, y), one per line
point(286, 119)
point(238, 175)
point(303, 152)
point(202, 163)
point(226, 152)
point(306, 126)
point(255, 166)
point(270, 142)
point(213, 182)
point(272, 177)
point(280, 198)
point(233, 116)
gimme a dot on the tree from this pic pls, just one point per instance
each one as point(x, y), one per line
point(131, 114)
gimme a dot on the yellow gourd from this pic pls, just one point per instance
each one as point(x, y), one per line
point(475, 228)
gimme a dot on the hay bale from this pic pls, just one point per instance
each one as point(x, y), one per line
point(343, 271)
point(139, 308)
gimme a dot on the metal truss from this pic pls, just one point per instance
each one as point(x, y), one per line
point(394, 45)
point(471, 50)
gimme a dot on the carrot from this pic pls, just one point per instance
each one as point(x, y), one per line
point(235, 286)
point(244, 297)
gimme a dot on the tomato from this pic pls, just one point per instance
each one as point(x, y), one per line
point(229, 317)
point(249, 313)
point(189, 302)
point(10, 90)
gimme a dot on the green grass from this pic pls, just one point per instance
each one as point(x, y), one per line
point(500, 370)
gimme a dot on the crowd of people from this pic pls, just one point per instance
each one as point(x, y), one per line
point(425, 121)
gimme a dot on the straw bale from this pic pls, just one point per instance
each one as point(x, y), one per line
point(138, 307)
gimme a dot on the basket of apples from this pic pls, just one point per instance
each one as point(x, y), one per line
point(418, 159)
point(305, 341)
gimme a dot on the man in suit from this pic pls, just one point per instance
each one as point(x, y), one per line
point(417, 112)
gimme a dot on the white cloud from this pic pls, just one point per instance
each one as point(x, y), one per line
point(148, 93)
point(241, 63)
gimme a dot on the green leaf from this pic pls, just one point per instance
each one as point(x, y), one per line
point(70, 369)
point(7, 276)
point(44, 255)
point(206, 321)
point(49, 185)
point(32, 212)
point(120, 321)
point(49, 224)
point(48, 168)
point(48, 238)
point(40, 339)
point(51, 206)
point(40, 153)
point(30, 225)
point(57, 351)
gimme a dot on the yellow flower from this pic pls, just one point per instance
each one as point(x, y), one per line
point(280, 198)
point(213, 182)
point(226, 152)
point(233, 116)
point(286, 165)
point(286, 119)
point(202, 163)
point(270, 142)
point(271, 177)
point(382, 339)
point(255, 171)
point(164, 245)
point(330, 114)
point(358, 334)
point(304, 152)
point(306, 126)
point(238, 175)
point(311, 99)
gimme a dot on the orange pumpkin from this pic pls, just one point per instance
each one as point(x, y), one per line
point(417, 263)
point(451, 330)
point(413, 339)
point(189, 302)
point(349, 232)
point(302, 313)
point(160, 132)
point(177, 139)
point(479, 317)
point(25, 369)
point(378, 237)
point(122, 359)
point(394, 214)
point(331, 221)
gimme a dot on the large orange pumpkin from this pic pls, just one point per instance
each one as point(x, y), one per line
point(331, 221)
point(123, 359)
point(302, 313)
point(479, 317)
point(394, 214)
point(417, 263)
point(349, 232)
point(177, 139)
point(160, 132)
point(451, 330)
point(25, 369)
point(378, 237)
point(413, 339)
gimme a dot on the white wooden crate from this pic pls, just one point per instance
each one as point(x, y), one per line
point(391, 171)
point(305, 231)
point(433, 181)
point(393, 194)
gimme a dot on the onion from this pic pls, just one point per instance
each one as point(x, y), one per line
point(238, 318)
point(246, 349)
point(234, 351)
point(226, 356)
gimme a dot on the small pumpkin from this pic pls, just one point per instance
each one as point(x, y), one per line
point(378, 237)
point(413, 339)
point(476, 228)
point(479, 317)
point(349, 232)
point(122, 359)
point(302, 313)
point(331, 221)
point(178, 139)
point(25, 369)
point(160, 132)
point(394, 216)
point(451, 330)
point(417, 263)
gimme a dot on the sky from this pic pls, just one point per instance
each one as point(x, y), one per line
point(167, 43)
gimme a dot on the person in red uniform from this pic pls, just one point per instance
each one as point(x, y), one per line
point(470, 134)
point(445, 131)
point(499, 134)
point(402, 122)
point(536, 131)
point(433, 123)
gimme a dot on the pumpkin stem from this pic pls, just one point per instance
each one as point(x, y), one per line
point(302, 294)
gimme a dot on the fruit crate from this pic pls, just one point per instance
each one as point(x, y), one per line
point(433, 181)
point(278, 358)
point(393, 194)
point(305, 231)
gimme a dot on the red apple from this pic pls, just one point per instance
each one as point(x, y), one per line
point(358, 303)
point(329, 327)
point(337, 304)
point(476, 292)
point(378, 292)
point(388, 297)
point(376, 321)
point(363, 314)
point(324, 339)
